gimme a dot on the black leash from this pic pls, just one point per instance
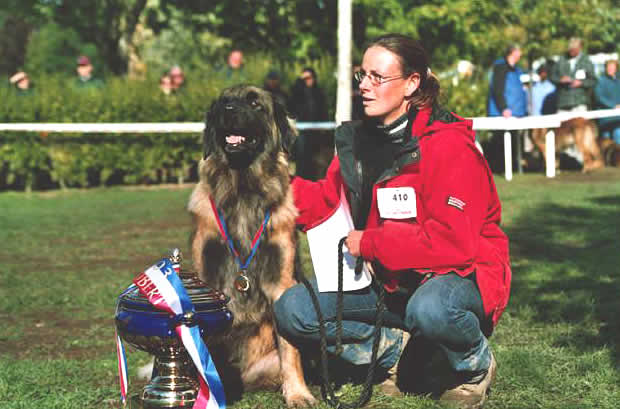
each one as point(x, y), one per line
point(327, 389)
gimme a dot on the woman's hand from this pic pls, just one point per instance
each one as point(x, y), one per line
point(353, 242)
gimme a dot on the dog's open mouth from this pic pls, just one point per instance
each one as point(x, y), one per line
point(236, 143)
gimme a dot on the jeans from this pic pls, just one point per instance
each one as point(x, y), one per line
point(446, 310)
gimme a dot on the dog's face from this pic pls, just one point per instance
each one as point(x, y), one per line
point(244, 124)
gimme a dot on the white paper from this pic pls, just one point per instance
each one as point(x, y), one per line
point(323, 242)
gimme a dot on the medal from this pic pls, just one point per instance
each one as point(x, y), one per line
point(242, 282)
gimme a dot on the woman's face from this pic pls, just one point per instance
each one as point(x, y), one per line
point(385, 101)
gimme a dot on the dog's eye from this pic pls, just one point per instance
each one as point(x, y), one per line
point(254, 103)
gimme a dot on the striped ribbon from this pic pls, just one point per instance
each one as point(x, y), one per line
point(221, 222)
point(164, 290)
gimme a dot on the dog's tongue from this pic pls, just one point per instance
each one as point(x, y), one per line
point(234, 139)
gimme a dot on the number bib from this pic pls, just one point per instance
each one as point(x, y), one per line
point(396, 202)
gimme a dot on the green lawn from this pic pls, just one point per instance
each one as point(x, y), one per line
point(65, 256)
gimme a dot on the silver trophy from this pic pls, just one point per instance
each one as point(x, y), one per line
point(174, 383)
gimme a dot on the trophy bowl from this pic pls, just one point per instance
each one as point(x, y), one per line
point(174, 383)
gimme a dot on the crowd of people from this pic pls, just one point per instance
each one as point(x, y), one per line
point(566, 85)
point(569, 84)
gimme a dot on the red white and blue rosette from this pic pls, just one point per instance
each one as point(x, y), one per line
point(164, 290)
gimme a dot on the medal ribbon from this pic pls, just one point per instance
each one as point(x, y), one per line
point(164, 290)
point(255, 241)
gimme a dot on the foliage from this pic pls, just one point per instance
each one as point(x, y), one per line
point(188, 32)
point(479, 31)
point(14, 32)
point(35, 161)
point(54, 49)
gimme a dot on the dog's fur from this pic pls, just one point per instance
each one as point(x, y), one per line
point(246, 177)
point(579, 131)
point(611, 152)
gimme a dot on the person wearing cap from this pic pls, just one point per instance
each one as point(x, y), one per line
point(21, 82)
point(85, 77)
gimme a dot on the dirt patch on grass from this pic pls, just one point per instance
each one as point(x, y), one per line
point(52, 335)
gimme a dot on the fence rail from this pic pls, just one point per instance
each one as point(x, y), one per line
point(479, 123)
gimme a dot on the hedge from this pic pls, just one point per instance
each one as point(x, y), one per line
point(42, 161)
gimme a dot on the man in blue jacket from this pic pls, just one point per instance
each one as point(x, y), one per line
point(506, 98)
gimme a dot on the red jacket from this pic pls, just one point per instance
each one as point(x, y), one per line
point(456, 228)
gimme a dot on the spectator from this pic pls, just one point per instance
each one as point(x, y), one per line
point(307, 104)
point(607, 96)
point(234, 68)
point(573, 75)
point(177, 77)
point(85, 77)
point(507, 98)
point(506, 94)
point(273, 84)
point(543, 93)
point(21, 82)
point(165, 83)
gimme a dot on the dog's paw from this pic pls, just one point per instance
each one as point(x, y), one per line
point(298, 396)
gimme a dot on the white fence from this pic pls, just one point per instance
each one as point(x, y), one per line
point(480, 123)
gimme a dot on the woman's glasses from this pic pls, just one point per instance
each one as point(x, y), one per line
point(375, 79)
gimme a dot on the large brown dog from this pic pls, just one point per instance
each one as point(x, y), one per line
point(245, 175)
point(578, 131)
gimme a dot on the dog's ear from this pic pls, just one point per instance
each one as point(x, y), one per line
point(208, 135)
point(288, 133)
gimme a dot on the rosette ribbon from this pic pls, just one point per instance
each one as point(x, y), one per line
point(164, 290)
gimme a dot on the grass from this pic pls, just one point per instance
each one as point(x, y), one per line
point(65, 256)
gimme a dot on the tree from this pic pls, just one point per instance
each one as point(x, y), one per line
point(14, 33)
point(105, 23)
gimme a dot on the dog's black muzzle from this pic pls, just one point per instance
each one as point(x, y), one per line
point(241, 132)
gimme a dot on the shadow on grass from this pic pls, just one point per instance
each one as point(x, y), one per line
point(565, 267)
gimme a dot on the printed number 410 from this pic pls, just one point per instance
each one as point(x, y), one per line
point(399, 197)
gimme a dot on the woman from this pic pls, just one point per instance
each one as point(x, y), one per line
point(426, 214)
point(307, 104)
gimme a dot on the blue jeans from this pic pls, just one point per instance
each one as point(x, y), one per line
point(446, 310)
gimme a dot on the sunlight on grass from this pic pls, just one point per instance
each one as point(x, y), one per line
point(67, 255)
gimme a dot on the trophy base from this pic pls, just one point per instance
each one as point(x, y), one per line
point(136, 402)
point(174, 384)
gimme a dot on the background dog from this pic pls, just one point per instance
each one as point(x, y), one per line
point(578, 131)
point(245, 173)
